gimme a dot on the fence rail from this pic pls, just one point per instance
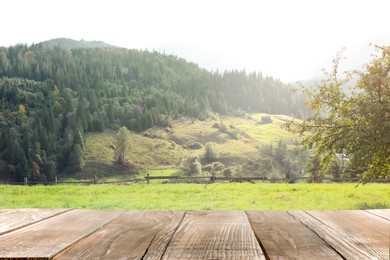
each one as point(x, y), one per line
point(213, 179)
point(190, 179)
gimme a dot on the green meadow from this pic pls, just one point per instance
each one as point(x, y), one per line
point(220, 196)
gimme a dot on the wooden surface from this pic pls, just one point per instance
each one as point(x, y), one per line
point(278, 231)
point(98, 234)
point(47, 238)
point(354, 234)
point(214, 235)
point(17, 218)
point(133, 235)
point(383, 213)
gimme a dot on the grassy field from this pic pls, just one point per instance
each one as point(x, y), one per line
point(237, 196)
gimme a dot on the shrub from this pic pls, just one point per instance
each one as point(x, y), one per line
point(195, 146)
point(228, 172)
point(216, 125)
point(266, 120)
point(211, 153)
point(215, 168)
point(194, 165)
point(196, 168)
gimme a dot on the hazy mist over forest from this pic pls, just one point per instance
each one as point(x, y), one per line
point(288, 40)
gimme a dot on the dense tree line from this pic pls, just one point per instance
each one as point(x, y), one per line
point(50, 97)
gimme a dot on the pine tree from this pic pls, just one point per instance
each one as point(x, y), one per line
point(76, 160)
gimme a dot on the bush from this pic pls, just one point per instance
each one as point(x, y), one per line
point(195, 146)
point(215, 168)
point(194, 165)
point(228, 172)
point(266, 120)
point(196, 168)
point(211, 153)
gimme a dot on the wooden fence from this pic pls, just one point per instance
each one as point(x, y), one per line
point(192, 179)
point(213, 179)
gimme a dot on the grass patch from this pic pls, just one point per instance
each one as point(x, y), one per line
point(235, 196)
point(269, 133)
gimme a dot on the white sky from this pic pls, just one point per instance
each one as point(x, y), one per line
point(287, 39)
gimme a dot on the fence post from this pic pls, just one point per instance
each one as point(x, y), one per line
point(94, 179)
point(147, 178)
point(25, 181)
point(212, 179)
point(55, 180)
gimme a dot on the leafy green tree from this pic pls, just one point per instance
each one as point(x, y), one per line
point(357, 122)
point(211, 153)
point(315, 169)
point(281, 151)
point(121, 144)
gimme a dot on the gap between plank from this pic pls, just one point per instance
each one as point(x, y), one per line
point(379, 216)
point(28, 224)
point(147, 249)
point(326, 242)
point(257, 238)
point(174, 232)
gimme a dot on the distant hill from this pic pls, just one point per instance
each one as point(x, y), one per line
point(51, 98)
point(73, 44)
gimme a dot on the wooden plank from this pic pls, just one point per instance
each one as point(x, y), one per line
point(383, 213)
point(17, 218)
point(214, 235)
point(133, 235)
point(355, 234)
point(49, 237)
point(284, 237)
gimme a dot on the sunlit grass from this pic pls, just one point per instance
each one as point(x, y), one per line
point(237, 196)
point(269, 133)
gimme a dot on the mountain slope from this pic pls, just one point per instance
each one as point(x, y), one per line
point(52, 97)
point(171, 148)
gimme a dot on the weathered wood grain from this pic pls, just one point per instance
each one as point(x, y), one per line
point(354, 234)
point(47, 238)
point(383, 213)
point(284, 237)
point(17, 218)
point(214, 235)
point(132, 235)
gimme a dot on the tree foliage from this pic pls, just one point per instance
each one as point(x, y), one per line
point(194, 165)
point(356, 121)
point(121, 144)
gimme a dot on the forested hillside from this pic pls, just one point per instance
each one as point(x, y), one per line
point(50, 96)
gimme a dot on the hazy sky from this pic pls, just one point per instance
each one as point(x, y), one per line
point(287, 39)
